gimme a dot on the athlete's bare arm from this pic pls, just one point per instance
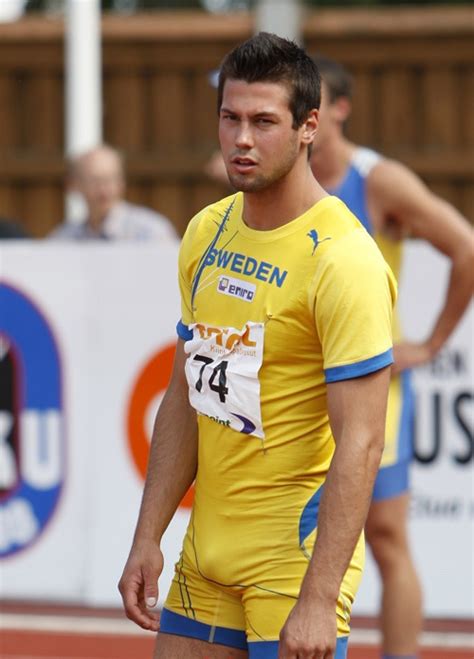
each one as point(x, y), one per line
point(171, 470)
point(399, 196)
point(357, 409)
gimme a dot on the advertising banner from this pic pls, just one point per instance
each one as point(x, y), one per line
point(78, 324)
point(87, 339)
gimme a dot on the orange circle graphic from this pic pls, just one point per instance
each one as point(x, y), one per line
point(151, 381)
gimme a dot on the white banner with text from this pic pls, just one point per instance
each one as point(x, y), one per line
point(87, 338)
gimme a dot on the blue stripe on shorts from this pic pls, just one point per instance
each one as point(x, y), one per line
point(406, 429)
point(173, 623)
point(392, 481)
point(269, 649)
point(178, 625)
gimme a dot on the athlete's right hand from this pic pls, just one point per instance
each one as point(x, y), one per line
point(139, 584)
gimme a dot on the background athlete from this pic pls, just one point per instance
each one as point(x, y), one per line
point(285, 353)
point(392, 203)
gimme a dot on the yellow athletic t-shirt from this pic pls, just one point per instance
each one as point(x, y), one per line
point(269, 317)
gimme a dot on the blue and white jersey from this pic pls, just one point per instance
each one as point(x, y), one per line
point(352, 189)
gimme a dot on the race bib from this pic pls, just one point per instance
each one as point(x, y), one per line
point(222, 372)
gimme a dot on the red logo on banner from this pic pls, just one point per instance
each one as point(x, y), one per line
point(151, 382)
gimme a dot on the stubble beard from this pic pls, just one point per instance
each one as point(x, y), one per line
point(260, 182)
point(245, 184)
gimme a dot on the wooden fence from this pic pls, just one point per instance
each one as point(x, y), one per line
point(414, 72)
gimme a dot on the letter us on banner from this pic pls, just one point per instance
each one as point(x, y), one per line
point(442, 486)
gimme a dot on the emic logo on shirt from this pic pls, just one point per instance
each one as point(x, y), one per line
point(243, 290)
point(31, 423)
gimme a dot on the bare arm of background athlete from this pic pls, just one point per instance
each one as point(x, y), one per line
point(404, 202)
point(357, 409)
point(171, 470)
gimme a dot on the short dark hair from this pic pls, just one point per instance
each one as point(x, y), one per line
point(336, 77)
point(269, 58)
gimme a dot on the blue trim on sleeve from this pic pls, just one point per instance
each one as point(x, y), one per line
point(349, 371)
point(183, 331)
point(173, 623)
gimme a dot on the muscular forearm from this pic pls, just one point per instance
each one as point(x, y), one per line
point(171, 470)
point(172, 464)
point(342, 515)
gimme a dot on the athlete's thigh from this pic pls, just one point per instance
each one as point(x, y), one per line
point(269, 603)
point(169, 646)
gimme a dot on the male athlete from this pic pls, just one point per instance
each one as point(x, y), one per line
point(392, 203)
point(284, 354)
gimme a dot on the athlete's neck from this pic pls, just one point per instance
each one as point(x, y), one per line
point(330, 160)
point(282, 202)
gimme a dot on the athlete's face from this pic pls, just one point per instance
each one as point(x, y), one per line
point(258, 142)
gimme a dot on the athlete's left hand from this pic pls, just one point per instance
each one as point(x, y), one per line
point(409, 355)
point(309, 632)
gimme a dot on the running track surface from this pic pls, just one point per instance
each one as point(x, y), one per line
point(37, 632)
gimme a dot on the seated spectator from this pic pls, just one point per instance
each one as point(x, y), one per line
point(98, 176)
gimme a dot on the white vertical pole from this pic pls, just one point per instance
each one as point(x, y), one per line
point(282, 17)
point(83, 87)
point(83, 76)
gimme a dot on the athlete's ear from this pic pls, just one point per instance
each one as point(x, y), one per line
point(310, 127)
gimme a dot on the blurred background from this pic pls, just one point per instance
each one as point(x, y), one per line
point(87, 331)
point(413, 68)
